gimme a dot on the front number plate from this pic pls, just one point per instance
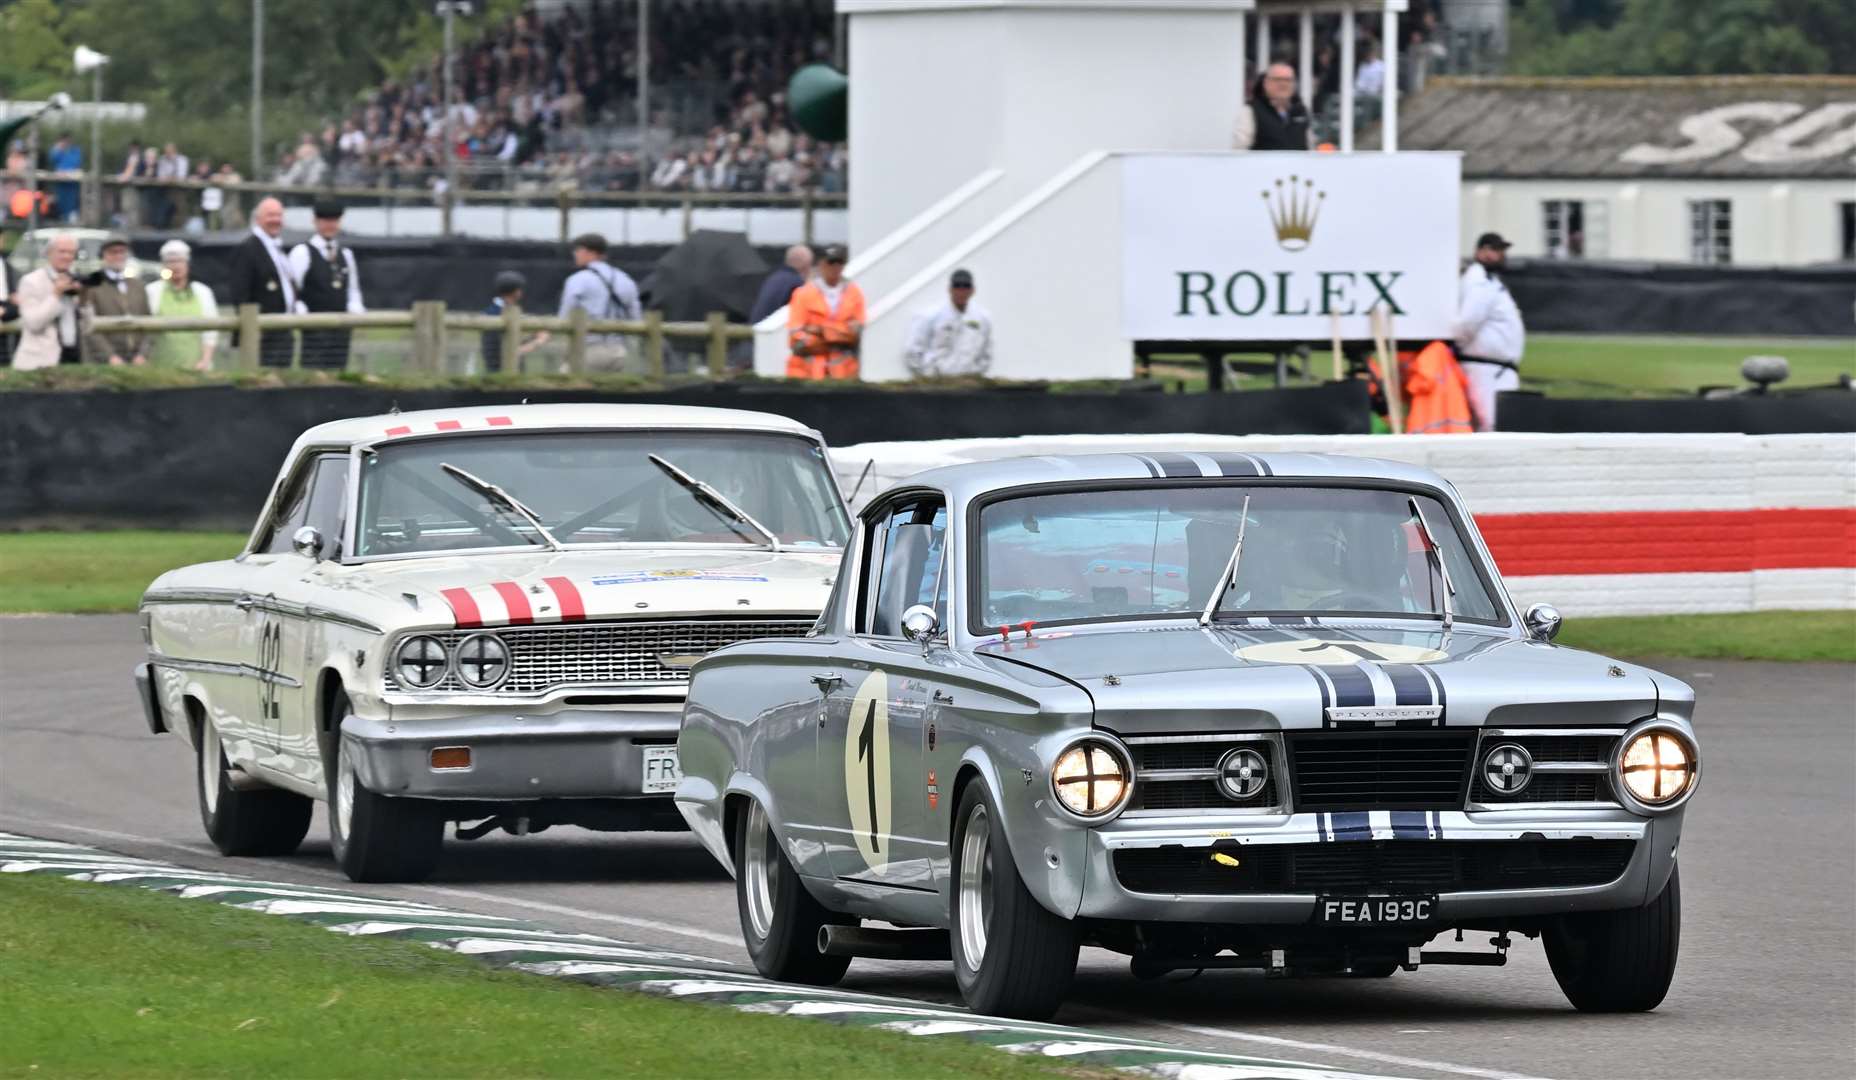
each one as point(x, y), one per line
point(661, 773)
point(1375, 910)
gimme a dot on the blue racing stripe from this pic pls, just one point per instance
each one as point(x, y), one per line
point(1351, 686)
point(1353, 826)
point(1409, 825)
point(1408, 684)
point(1235, 464)
point(1176, 464)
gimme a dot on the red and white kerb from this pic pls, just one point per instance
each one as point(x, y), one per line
point(510, 603)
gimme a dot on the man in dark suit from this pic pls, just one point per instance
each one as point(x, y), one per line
point(111, 292)
point(327, 281)
point(779, 286)
point(260, 274)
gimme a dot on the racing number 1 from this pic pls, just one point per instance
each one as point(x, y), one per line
point(866, 753)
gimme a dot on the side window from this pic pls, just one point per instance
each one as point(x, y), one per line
point(293, 511)
point(904, 565)
point(328, 499)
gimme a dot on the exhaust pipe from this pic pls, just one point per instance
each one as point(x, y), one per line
point(884, 944)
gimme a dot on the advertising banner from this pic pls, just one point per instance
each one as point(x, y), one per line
point(1269, 246)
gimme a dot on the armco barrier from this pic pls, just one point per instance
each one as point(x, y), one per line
point(1595, 524)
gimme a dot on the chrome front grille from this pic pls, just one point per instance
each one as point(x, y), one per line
point(1178, 774)
point(628, 653)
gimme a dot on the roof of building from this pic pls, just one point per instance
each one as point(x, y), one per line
point(1750, 127)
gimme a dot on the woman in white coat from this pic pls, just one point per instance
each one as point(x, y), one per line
point(49, 313)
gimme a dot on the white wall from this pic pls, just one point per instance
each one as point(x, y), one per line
point(1783, 222)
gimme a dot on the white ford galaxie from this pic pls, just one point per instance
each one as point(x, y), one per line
point(482, 615)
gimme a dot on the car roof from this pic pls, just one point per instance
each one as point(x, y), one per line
point(971, 480)
point(364, 430)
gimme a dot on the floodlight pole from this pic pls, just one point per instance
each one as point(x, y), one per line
point(644, 94)
point(257, 90)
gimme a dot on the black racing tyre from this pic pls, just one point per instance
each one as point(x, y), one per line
point(1618, 961)
point(780, 920)
point(263, 821)
point(375, 837)
point(1012, 957)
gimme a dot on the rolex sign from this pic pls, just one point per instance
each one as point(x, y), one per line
point(1270, 246)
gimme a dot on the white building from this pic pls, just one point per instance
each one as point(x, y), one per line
point(1753, 170)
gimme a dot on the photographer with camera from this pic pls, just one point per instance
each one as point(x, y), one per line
point(49, 300)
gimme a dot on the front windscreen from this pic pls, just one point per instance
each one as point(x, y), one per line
point(1308, 551)
point(595, 488)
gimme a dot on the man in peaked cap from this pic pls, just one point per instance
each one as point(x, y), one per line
point(327, 280)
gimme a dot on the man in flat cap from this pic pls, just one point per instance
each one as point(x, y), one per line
point(951, 340)
point(510, 285)
point(604, 292)
point(112, 292)
point(326, 281)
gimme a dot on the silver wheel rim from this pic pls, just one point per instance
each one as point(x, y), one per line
point(344, 791)
point(975, 887)
point(210, 756)
point(757, 864)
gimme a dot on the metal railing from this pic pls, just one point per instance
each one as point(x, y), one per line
point(127, 196)
point(433, 340)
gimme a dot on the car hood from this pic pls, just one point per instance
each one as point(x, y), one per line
point(553, 586)
point(1176, 679)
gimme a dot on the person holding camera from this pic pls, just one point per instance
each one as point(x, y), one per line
point(49, 299)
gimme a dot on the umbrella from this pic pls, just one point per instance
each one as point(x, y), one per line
point(710, 271)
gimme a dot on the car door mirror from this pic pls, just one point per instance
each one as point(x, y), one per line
point(307, 542)
point(1542, 622)
point(919, 624)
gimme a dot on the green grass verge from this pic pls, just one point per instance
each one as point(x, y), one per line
point(107, 571)
point(1758, 635)
point(110, 981)
point(97, 571)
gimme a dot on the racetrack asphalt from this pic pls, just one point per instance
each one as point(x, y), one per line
point(1766, 985)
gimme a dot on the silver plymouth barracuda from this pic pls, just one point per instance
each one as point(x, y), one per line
point(482, 615)
point(1207, 710)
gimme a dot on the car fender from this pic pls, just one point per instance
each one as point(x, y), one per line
point(1048, 852)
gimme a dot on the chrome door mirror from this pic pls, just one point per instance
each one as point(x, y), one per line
point(919, 624)
point(1542, 622)
point(307, 542)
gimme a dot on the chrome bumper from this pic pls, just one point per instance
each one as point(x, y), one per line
point(1104, 896)
point(569, 754)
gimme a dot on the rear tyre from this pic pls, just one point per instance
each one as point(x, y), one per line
point(374, 837)
point(1011, 956)
point(263, 821)
point(1618, 961)
point(780, 920)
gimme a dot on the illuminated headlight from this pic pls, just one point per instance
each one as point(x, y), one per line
point(1658, 767)
point(420, 662)
point(482, 661)
point(1092, 779)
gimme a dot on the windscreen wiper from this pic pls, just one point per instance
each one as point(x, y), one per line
point(498, 495)
point(1229, 576)
point(716, 501)
point(1434, 551)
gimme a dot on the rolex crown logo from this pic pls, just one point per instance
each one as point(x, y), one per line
point(1293, 207)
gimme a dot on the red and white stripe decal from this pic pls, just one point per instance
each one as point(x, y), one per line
point(511, 603)
point(463, 608)
point(573, 609)
point(450, 425)
point(515, 601)
point(1670, 541)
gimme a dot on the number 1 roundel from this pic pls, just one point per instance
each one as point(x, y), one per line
point(866, 768)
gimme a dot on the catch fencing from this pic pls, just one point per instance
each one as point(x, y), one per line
point(1596, 524)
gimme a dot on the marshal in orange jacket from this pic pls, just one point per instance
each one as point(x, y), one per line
point(824, 345)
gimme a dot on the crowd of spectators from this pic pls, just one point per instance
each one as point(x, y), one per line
point(545, 103)
point(1423, 38)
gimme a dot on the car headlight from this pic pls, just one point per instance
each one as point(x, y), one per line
point(1657, 767)
point(482, 661)
point(420, 662)
point(1092, 779)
